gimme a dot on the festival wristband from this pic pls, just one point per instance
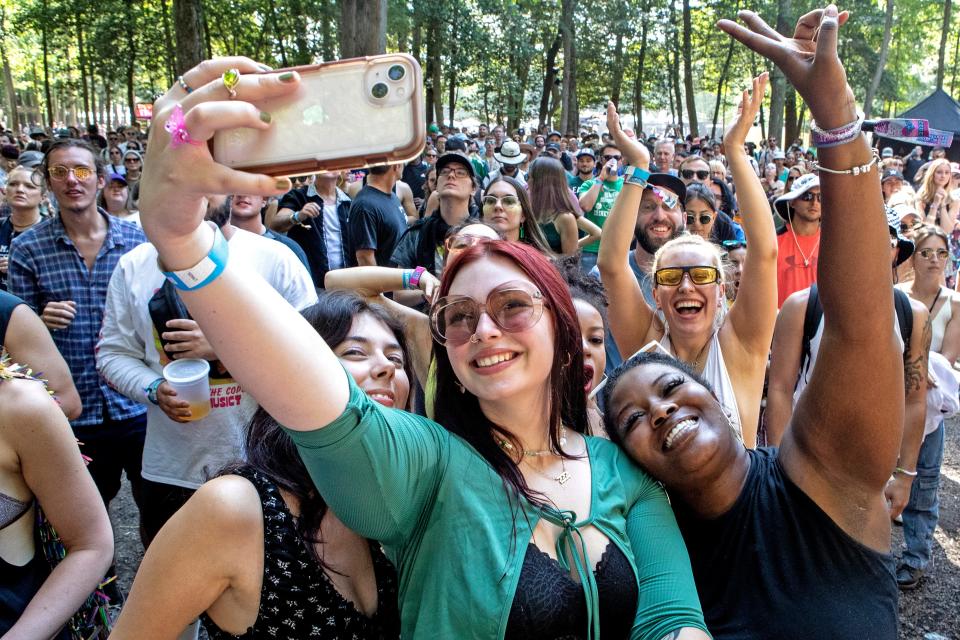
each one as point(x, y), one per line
point(637, 176)
point(822, 138)
point(295, 218)
point(414, 280)
point(151, 391)
point(205, 271)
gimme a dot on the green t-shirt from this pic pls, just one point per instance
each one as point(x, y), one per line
point(601, 209)
point(443, 517)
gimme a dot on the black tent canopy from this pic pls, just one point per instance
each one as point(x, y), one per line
point(942, 112)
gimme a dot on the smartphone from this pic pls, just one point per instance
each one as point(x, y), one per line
point(344, 115)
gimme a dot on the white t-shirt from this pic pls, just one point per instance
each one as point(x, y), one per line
point(129, 357)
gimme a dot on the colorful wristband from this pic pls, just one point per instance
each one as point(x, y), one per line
point(151, 391)
point(205, 271)
point(414, 281)
point(822, 138)
point(295, 218)
point(637, 176)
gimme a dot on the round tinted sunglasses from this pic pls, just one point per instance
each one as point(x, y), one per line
point(929, 254)
point(462, 241)
point(505, 201)
point(704, 218)
point(689, 173)
point(673, 276)
point(59, 172)
point(454, 319)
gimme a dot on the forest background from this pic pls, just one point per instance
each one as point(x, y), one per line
point(510, 61)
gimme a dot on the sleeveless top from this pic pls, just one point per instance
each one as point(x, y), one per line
point(776, 566)
point(297, 599)
point(715, 372)
point(552, 236)
point(8, 302)
point(939, 322)
point(549, 604)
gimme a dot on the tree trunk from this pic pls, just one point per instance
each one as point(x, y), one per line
point(569, 108)
point(14, 122)
point(188, 32)
point(130, 23)
point(94, 116)
point(721, 82)
point(549, 79)
point(326, 32)
point(82, 59)
point(363, 28)
point(956, 61)
point(451, 94)
point(881, 62)
point(46, 68)
point(302, 54)
point(944, 32)
point(618, 65)
point(168, 43)
point(675, 70)
point(641, 61)
point(688, 71)
point(107, 93)
point(434, 93)
point(778, 82)
point(791, 132)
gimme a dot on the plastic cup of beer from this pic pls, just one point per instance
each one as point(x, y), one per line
point(189, 378)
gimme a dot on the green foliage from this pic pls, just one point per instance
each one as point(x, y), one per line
point(494, 50)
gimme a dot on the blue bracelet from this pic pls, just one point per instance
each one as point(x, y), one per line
point(406, 273)
point(205, 271)
point(637, 176)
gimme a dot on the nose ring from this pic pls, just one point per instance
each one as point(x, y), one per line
point(474, 339)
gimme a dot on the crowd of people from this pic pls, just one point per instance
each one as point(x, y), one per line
point(524, 385)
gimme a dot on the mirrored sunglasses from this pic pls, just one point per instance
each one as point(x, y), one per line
point(673, 276)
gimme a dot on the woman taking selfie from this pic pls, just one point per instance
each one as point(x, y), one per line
point(257, 544)
point(793, 543)
point(507, 492)
point(729, 348)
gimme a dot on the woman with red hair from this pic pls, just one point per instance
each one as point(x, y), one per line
point(502, 518)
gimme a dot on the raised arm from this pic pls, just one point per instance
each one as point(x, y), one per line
point(754, 312)
point(629, 314)
point(785, 361)
point(238, 305)
point(841, 444)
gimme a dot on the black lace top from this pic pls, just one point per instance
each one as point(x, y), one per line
point(297, 599)
point(549, 604)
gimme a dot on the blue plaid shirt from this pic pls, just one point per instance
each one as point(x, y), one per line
point(45, 266)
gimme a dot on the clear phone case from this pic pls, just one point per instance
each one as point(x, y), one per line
point(345, 115)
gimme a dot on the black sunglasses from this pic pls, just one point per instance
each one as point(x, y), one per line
point(703, 218)
point(689, 173)
point(810, 196)
point(732, 245)
point(609, 158)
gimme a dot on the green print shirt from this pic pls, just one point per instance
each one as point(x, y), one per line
point(442, 515)
point(601, 209)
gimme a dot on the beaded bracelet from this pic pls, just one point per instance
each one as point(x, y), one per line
point(854, 171)
point(823, 138)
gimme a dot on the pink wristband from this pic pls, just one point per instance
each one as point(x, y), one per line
point(415, 277)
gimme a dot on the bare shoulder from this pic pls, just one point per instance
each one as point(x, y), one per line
point(228, 502)
point(22, 402)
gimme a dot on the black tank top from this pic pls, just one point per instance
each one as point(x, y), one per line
point(8, 302)
point(549, 604)
point(776, 566)
point(297, 599)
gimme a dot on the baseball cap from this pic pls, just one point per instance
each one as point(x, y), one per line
point(887, 152)
point(669, 182)
point(554, 146)
point(586, 151)
point(116, 177)
point(31, 159)
point(457, 157)
point(891, 173)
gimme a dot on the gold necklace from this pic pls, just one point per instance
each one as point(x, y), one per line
point(564, 476)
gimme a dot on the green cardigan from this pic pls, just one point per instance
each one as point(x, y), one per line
point(444, 519)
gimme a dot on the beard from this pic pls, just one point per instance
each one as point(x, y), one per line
point(651, 245)
point(220, 214)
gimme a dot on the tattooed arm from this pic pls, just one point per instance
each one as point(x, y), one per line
point(915, 357)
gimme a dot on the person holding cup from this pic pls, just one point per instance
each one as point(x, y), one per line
point(148, 335)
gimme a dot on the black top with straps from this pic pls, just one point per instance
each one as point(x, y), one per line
point(548, 604)
point(776, 566)
point(297, 599)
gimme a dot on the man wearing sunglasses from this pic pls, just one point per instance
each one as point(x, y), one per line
point(420, 245)
point(61, 268)
point(694, 169)
point(798, 242)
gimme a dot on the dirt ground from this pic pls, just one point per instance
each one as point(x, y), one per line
point(933, 608)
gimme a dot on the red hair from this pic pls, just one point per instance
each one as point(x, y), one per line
point(460, 413)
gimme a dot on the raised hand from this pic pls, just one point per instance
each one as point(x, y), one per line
point(176, 180)
point(634, 153)
point(746, 113)
point(808, 60)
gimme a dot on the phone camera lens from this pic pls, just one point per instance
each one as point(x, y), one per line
point(396, 72)
point(379, 90)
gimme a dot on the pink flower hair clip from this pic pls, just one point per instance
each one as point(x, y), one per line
point(177, 129)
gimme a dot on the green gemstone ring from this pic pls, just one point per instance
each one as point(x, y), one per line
point(231, 79)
